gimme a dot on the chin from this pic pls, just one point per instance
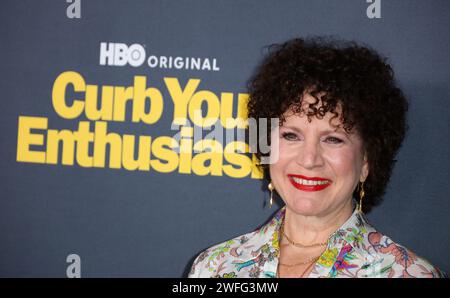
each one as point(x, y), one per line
point(304, 207)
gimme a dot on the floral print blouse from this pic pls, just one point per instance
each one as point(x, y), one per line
point(356, 249)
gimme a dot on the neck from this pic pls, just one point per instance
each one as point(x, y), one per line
point(315, 229)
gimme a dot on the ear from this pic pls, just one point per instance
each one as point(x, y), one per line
point(365, 169)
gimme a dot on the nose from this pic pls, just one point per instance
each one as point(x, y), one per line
point(310, 155)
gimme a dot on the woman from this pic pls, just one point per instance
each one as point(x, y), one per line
point(341, 123)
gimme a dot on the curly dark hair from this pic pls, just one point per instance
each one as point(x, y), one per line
point(351, 76)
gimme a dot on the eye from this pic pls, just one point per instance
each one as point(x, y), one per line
point(289, 136)
point(333, 140)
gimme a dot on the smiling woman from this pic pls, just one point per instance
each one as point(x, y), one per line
point(318, 166)
point(342, 120)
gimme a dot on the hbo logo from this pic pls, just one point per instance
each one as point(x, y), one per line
point(119, 54)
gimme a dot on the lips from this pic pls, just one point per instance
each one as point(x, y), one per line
point(306, 183)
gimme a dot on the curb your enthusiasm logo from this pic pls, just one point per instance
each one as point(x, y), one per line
point(87, 146)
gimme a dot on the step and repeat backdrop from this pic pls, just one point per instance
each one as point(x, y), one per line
point(101, 172)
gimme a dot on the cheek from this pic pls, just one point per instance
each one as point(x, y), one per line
point(278, 168)
point(283, 154)
point(345, 163)
point(285, 151)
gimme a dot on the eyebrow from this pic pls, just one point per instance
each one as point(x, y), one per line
point(337, 130)
point(291, 127)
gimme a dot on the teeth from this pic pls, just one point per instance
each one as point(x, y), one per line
point(309, 182)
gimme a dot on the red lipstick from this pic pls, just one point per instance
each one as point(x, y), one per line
point(321, 183)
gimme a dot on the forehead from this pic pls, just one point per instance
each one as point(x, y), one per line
point(309, 114)
point(328, 122)
point(309, 105)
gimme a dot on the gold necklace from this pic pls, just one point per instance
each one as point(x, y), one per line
point(299, 244)
point(307, 268)
point(313, 259)
point(303, 273)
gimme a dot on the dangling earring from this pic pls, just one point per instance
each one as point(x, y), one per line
point(361, 196)
point(271, 188)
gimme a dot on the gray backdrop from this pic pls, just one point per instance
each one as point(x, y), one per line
point(149, 224)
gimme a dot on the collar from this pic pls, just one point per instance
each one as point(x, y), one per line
point(349, 236)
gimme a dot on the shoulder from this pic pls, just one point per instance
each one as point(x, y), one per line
point(247, 255)
point(394, 260)
point(217, 260)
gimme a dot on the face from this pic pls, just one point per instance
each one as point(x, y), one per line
point(318, 167)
